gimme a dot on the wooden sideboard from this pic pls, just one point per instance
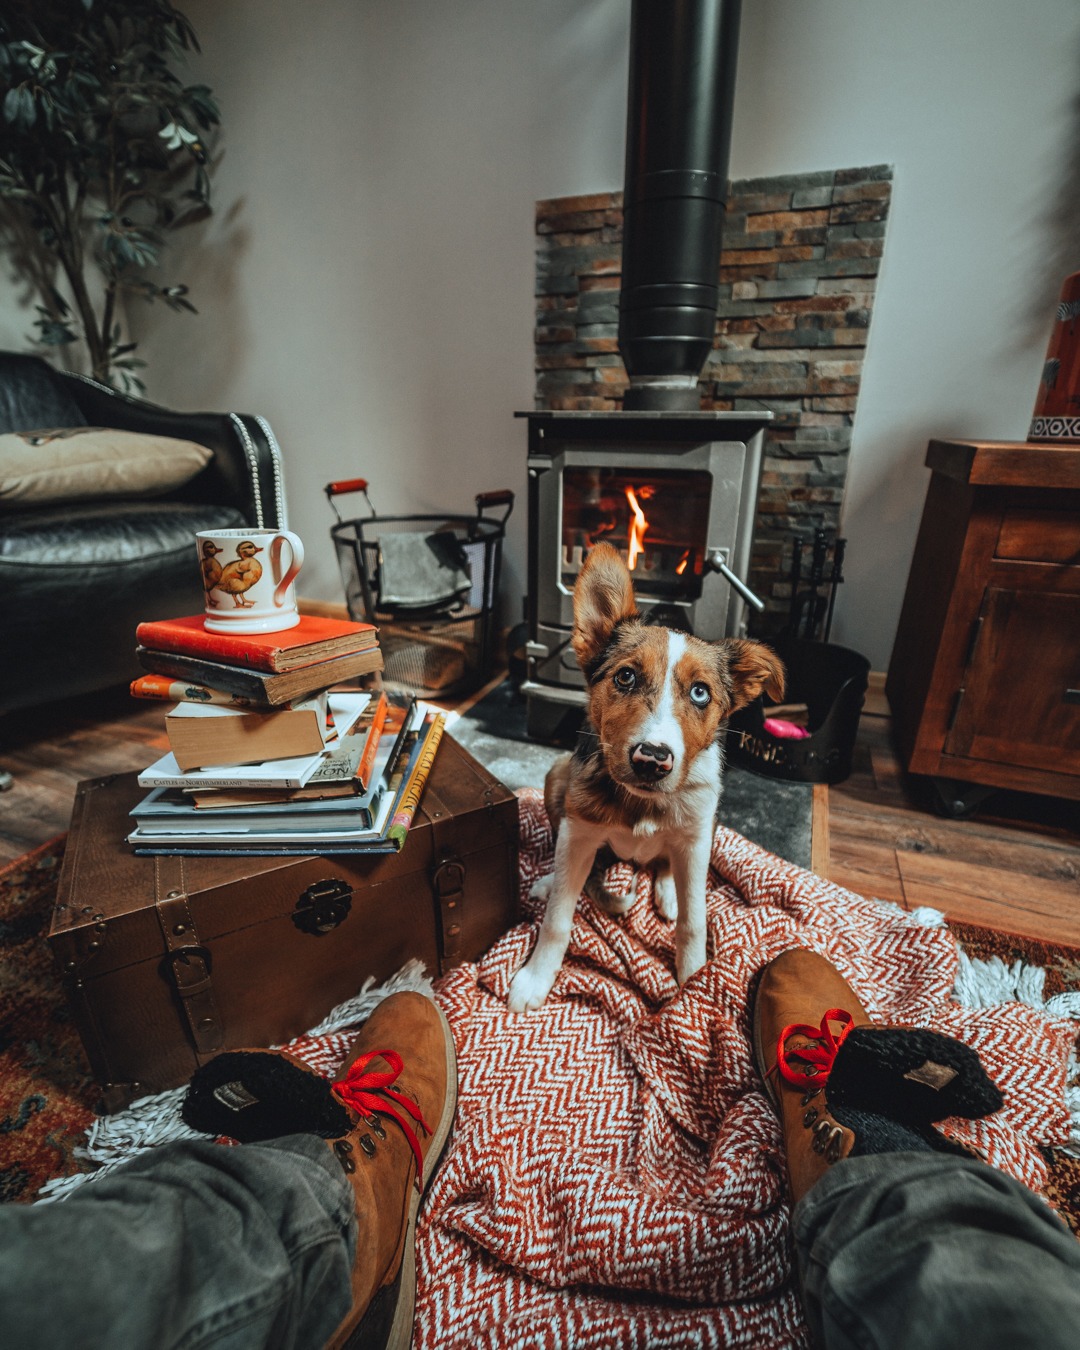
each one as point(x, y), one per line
point(984, 680)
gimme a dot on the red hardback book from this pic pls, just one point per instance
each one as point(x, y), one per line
point(313, 639)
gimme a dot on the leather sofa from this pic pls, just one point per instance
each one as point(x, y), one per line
point(76, 578)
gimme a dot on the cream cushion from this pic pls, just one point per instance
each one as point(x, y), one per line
point(39, 468)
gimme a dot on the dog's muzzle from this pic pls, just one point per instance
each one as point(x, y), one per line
point(651, 762)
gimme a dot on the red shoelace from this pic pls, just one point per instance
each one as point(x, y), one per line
point(367, 1092)
point(816, 1059)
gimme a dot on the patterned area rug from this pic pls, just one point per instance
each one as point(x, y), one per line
point(46, 1097)
point(614, 1172)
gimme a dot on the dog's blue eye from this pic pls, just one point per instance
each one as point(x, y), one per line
point(699, 694)
point(625, 679)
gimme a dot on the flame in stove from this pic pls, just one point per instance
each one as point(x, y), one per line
point(680, 566)
point(638, 526)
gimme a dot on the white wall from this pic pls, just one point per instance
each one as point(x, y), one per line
point(974, 103)
point(366, 283)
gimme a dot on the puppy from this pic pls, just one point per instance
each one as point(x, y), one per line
point(644, 780)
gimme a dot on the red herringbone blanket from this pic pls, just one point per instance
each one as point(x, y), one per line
point(615, 1177)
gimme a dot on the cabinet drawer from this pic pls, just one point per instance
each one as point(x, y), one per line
point(1029, 534)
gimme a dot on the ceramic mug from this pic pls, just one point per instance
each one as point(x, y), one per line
point(248, 590)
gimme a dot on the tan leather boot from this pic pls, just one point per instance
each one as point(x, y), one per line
point(802, 1009)
point(386, 1120)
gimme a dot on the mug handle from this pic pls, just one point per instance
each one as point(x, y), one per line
point(296, 549)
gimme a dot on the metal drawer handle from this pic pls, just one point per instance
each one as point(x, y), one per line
point(1072, 695)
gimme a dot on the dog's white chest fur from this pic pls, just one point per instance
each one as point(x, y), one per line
point(642, 844)
point(691, 821)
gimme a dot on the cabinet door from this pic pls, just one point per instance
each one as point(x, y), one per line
point(1020, 702)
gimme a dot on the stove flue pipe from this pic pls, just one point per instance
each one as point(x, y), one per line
point(678, 138)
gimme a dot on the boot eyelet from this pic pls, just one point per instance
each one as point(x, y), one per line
point(376, 1124)
point(809, 1118)
point(832, 1152)
point(343, 1150)
point(367, 1144)
point(809, 1096)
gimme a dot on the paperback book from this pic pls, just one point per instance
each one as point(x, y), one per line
point(344, 772)
point(166, 813)
point(165, 690)
point(291, 772)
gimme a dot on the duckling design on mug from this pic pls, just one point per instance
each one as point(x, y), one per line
point(211, 569)
point(246, 566)
point(237, 577)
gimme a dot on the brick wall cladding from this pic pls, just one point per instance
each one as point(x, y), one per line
point(797, 277)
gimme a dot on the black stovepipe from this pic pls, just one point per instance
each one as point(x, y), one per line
point(678, 135)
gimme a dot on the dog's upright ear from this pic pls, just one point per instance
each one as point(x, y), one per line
point(753, 667)
point(603, 596)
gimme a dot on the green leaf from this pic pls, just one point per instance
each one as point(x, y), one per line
point(12, 105)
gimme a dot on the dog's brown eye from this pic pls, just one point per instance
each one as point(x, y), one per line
point(625, 679)
point(699, 695)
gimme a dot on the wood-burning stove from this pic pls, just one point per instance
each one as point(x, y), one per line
point(676, 492)
point(676, 488)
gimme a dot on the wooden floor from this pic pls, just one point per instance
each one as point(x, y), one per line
point(1014, 866)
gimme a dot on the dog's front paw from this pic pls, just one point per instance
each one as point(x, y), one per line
point(541, 888)
point(667, 901)
point(528, 990)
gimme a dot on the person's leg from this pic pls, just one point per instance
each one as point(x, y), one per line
point(934, 1251)
point(194, 1244)
point(903, 1239)
point(385, 1123)
point(299, 1237)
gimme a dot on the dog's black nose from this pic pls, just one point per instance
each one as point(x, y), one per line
point(651, 761)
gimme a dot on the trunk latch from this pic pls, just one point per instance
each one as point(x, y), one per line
point(323, 906)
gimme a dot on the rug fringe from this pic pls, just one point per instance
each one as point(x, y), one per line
point(984, 983)
point(152, 1121)
point(926, 916)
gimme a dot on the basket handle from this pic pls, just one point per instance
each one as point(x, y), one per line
point(342, 485)
point(345, 485)
point(499, 497)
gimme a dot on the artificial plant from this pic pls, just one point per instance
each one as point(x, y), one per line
point(103, 151)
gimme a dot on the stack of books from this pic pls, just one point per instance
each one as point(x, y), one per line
point(267, 757)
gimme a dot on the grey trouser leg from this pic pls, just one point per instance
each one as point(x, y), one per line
point(194, 1244)
point(931, 1251)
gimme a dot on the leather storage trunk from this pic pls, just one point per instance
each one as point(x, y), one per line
point(169, 960)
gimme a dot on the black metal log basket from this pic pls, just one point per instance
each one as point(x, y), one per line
point(831, 681)
point(431, 586)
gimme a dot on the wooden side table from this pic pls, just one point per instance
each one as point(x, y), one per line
point(984, 680)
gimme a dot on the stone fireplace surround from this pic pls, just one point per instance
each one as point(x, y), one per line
point(798, 272)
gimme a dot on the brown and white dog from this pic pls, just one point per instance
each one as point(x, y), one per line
point(645, 778)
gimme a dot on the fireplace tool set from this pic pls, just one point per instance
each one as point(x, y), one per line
point(813, 597)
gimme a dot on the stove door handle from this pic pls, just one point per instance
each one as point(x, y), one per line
point(717, 560)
